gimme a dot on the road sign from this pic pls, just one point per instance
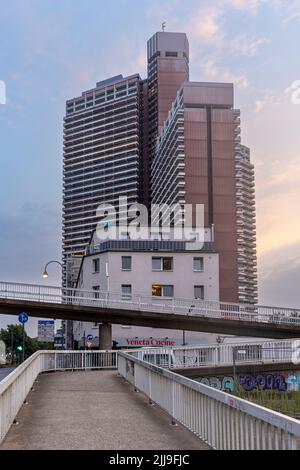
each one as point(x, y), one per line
point(46, 331)
point(89, 344)
point(89, 337)
point(23, 318)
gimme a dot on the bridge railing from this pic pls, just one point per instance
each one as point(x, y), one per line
point(16, 386)
point(219, 355)
point(219, 419)
point(116, 300)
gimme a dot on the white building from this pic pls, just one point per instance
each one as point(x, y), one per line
point(150, 268)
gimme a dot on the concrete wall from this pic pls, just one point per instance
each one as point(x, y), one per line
point(141, 277)
point(183, 278)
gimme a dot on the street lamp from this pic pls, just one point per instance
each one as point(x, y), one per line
point(236, 350)
point(183, 332)
point(45, 273)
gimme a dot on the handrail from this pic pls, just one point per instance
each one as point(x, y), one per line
point(220, 355)
point(219, 419)
point(180, 306)
point(15, 387)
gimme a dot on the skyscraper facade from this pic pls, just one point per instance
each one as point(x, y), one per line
point(195, 164)
point(162, 140)
point(246, 220)
point(102, 157)
point(168, 69)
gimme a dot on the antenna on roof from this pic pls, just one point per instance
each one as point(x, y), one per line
point(163, 26)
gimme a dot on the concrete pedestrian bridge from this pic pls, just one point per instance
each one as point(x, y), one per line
point(156, 312)
point(119, 400)
point(93, 410)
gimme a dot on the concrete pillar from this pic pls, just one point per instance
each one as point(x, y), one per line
point(105, 335)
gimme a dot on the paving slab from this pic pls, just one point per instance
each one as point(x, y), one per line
point(93, 411)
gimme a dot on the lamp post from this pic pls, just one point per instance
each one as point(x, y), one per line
point(45, 273)
point(183, 332)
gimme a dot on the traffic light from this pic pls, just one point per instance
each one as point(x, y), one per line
point(20, 348)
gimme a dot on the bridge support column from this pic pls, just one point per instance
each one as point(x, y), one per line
point(105, 335)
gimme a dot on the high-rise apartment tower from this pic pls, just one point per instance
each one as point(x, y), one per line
point(102, 156)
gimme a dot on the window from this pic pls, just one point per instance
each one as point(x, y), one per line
point(96, 265)
point(96, 290)
point(162, 264)
point(156, 264)
point(162, 291)
point(171, 54)
point(126, 292)
point(199, 292)
point(126, 263)
point(198, 264)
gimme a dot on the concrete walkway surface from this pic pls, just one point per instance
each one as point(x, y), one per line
point(95, 411)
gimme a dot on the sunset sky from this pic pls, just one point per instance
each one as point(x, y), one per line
point(52, 50)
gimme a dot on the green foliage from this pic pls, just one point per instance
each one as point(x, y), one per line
point(284, 402)
point(13, 335)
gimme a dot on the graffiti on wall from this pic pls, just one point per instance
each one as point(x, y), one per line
point(263, 382)
point(281, 382)
point(226, 384)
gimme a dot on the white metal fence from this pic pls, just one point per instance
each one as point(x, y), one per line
point(219, 419)
point(16, 386)
point(218, 355)
point(188, 307)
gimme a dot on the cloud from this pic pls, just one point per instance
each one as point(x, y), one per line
point(278, 209)
point(269, 99)
point(205, 26)
point(259, 105)
point(251, 6)
point(28, 239)
point(34, 234)
point(212, 71)
point(246, 45)
point(214, 46)
point(279, 277)
point(293, 11)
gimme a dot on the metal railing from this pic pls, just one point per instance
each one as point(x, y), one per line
point(219, 419)
point(219, 355)
point(113, 300)
point(16, 386)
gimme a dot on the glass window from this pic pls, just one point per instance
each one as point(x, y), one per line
point(126, 263)
point(96, 265)
point(171, 54)
point(156, 290)
point(96, 290)
point(199, 292)
point(162, 264)
point(168, 291)
point(167, 264)
point(156, 264)
point(162, 291)
point(126, 291)
point(198, 264)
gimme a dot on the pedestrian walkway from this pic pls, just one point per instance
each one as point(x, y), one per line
point(93, 410)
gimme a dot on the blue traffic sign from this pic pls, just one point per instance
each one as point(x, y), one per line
point(89, 337)
point(23, 318)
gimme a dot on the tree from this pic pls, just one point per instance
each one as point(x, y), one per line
point(13, 339)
